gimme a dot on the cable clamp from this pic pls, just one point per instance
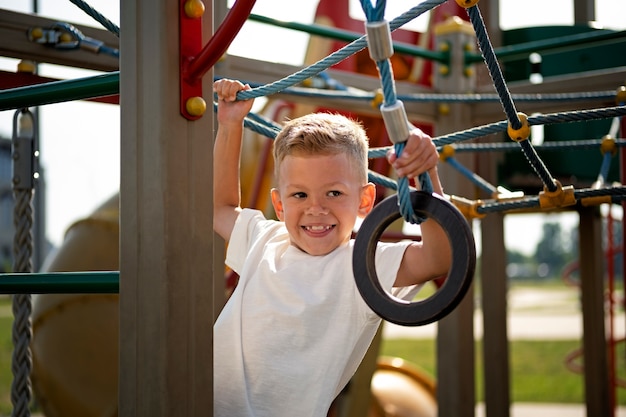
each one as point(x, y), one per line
point(379, 40)
point(469, 208)
point(396, 121)
point(596, 200)
point(561, 197)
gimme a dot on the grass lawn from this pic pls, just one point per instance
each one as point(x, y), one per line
point(538, 372)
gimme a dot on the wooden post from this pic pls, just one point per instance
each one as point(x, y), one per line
point(494, 305)
point(455, 333)
point(166, 238)
point(592, 292)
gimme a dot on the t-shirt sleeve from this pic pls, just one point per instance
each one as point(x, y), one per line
point(242, 237)
point(388, 259)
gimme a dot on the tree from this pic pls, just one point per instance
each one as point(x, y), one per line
point(554, 250)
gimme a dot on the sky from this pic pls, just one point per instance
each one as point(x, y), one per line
point(80, 140)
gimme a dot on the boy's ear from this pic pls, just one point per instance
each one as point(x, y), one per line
point(368, 197)
point(278, 204)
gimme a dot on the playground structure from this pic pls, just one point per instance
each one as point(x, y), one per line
point(455, 331)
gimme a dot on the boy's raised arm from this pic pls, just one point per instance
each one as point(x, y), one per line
point(226, 155)
point(432, 257)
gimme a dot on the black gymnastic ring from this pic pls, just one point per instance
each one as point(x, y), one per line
point(459, 277)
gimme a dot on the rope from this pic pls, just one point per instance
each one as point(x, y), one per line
point(21, 364)
point(538, 166)
point(23, 144)
point(604, 169)
point(336, 56)
point(334, 90)
point(382, 53)
point(473, 177)
point(546, 146)
point(110, 26)
point(563, 117)
point(494, 68)
point(375, 13)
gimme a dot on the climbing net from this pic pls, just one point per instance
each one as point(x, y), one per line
point(517, 124)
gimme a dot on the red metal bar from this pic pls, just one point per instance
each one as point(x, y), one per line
point(221, 40)
point(611, 290)
point(190, 43)
point(622, 164)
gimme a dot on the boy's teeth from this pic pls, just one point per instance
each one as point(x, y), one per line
point(318, 228)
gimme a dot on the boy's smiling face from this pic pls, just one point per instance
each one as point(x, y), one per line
point(319, 198)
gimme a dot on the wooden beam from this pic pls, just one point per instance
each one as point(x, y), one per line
point(590, 81)
point(15, 43)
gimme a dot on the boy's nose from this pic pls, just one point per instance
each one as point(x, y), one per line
point(316, 208)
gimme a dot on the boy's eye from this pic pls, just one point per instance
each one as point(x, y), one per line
point(334, 193)
point(299, 195)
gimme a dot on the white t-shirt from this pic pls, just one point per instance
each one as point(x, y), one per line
point(296, 328)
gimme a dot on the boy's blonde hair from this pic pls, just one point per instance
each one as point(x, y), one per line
point(323, 134)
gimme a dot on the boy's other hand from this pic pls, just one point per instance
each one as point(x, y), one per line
point(419, 155)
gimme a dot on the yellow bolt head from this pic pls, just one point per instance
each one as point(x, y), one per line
point(378, 99)
point(36, 33)
point(26, 66)
point(608, 145)
point(466, 3)
point(620, 97)
point(194, 9)
point(196, 106)
point(65, 37)
point(444, 109)
point(447, 151)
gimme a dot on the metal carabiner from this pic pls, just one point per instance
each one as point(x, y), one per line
point(24, 150)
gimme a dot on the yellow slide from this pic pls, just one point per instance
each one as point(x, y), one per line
point(75, 336)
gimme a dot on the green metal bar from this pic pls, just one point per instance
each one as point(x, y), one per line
point(60, 91)
point(348, 36)
point(100, 282)
point(553, 45)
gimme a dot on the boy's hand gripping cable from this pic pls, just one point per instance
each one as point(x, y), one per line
point(414, 206)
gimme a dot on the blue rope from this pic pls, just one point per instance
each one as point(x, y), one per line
point(475, 178)
point(336, 56)
point(605, 167)
point(376, 14)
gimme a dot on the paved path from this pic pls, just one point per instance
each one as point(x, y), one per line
point(552, 314)
point(547, 410)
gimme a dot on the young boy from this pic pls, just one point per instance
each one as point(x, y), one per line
point(296, 328)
